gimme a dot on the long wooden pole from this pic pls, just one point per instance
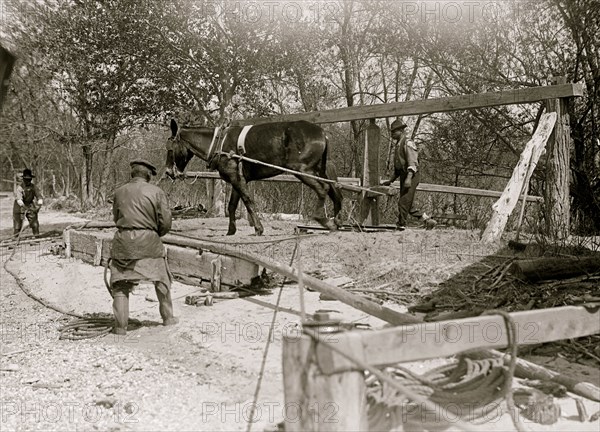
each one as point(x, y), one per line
point(386, 314)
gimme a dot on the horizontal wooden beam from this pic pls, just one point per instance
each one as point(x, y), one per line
point(423, 341)
point(354, 181)
point(426, 187)
point(416, 107)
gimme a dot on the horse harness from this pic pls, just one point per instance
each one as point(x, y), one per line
point(216, 145)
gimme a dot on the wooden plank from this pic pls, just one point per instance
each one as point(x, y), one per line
point(83, 243)
point(426, 187)
point(416, 107)
point(188, 262)
point(503, 208)
point(86, 245)
point(447, 338)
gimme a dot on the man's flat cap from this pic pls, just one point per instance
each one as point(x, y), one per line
point(145, 163)
point(397, 124)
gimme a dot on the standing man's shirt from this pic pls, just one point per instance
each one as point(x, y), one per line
point(406, 157)
point(142, 216)
point(27, 195)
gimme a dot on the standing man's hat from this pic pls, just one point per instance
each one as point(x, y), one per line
point(27, 174)
point(397, 124)
point(145, 163)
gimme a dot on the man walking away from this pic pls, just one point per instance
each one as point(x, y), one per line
point(142, 216)
point(406, 167)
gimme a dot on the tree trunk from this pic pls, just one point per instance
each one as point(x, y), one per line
point(106, 170)
point(87, 188)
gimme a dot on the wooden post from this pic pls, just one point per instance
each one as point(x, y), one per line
point(215, 197)
point(98, 255)
point(67, 240)
point(370, 205)
point(556, 192)
point(315, 401)
point(215, 279)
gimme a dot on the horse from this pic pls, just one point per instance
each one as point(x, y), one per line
point(300, 146)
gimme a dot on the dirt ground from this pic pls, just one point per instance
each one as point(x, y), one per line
point(202, 375)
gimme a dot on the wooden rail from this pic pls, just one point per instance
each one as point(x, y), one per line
point(447, 338)
point(415, 107)
point(353, 181)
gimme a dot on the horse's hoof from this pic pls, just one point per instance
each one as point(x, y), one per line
point(327, 223)
point(231, 231)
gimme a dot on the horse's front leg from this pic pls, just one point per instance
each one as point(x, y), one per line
point(240, 190)
point(234, 200)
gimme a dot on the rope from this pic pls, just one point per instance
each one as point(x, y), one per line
point(399, 386)
point(467, 389)
point(81, 328)
point(265, 354)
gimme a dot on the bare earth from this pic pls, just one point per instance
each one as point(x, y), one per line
point(202, 375)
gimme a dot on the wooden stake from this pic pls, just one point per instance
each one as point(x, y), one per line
point(315, 401)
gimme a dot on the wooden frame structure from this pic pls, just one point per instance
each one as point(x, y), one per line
point(556, 96)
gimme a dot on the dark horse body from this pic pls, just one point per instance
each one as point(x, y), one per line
point(300, 146)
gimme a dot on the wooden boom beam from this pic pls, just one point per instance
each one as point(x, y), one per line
point(415, 107)
point(354, 181)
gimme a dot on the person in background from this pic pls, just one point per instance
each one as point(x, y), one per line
point(406, 168)
point(28, 201)
point(142, 216)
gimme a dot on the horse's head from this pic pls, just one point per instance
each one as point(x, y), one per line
point(178, 155)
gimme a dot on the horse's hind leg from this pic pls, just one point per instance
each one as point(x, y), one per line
point(231, 208)
point(320, 190)
point(336, 196)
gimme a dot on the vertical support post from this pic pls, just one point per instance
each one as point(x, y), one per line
point(67, 240)
point(215, 197)
point(558, 170)
point(315, 401)
point(98, 254)
point(215, 280)
point(370, 205)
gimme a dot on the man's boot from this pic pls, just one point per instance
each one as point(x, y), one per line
point(429, 222)
point(163, 293)
point(121, 311)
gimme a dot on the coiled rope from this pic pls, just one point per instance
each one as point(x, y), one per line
point(470, 390)
point(91, 327)
point(81, 328)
